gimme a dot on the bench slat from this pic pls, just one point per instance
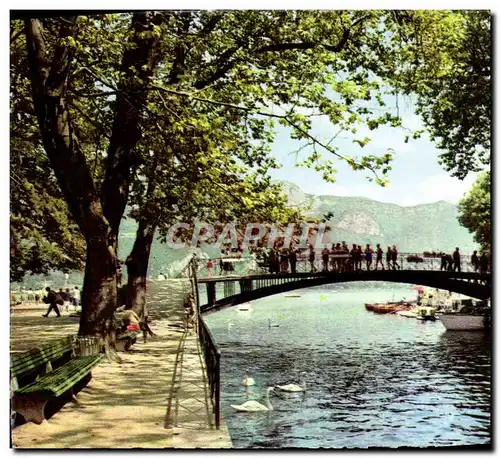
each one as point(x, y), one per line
point(25, 363)
point(63, 378)
point(20, 359)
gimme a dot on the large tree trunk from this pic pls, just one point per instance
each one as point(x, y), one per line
point(49, 84)
point(98, 215)
point(137, 268)
point(99, 290)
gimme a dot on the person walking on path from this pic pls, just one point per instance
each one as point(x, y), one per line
point(53, 299)
point(76, 297)
point(210, 265)
point(474, 260)
point(379, 258)
point(456, 260)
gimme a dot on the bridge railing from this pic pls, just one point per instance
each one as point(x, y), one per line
point(240, 265)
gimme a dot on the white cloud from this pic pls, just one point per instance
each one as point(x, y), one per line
point(439, 187)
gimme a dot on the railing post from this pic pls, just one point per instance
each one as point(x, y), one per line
point(217, 390)
point(193, 268)
point(211, 297)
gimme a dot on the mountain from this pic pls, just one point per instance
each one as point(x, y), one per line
point(426, 227)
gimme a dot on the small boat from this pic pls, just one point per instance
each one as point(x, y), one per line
point(293, 295)
point(389, 307)
point(426, 314)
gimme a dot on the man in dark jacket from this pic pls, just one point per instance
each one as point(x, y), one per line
point(483, 263)
point(293, 259)
point(53, 299)
point(456, 260)
point(474, 260)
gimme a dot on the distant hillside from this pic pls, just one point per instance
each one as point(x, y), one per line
point(356, 220)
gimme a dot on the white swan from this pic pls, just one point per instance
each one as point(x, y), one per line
point(248, 381)
point(254, 406)
point(293, 388)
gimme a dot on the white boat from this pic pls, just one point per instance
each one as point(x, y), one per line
point(464, 314)
point(459, 322)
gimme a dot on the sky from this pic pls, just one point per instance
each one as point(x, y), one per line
point(416, 176)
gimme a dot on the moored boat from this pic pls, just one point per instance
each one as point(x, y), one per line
point(388, 307)
point(463, 322)
point(465, 315)
point(426, 314)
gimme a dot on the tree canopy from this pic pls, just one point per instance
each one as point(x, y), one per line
point(448, 69)
point(475, 210)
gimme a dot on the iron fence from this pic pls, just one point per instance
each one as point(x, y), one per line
point(211, 353)
point(212, 363)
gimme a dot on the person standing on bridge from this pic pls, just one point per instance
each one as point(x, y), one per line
point(474, 260)
point(354, 252)
point(388, 255)
point(379, 258)
point(483, 263)
point(368, 256)
point(293, 259)
point(284, 260)
point(444, 261)
point(326, 257)
point(456, 260)
point(394, 257)
point(345, 254)
point(312, 257)
point(336, 251)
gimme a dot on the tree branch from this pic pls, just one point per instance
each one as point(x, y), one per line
point(56, 128)
point(222, 66)
point(137, 66)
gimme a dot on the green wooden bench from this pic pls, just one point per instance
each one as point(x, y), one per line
point(59, 370)
point(39, 360)
point(126, 339)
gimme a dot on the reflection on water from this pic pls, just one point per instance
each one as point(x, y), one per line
point(372, 380)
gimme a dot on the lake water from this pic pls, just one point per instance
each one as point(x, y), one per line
point(372, 380)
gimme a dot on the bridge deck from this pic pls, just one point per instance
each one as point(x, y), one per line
point(243, 288)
